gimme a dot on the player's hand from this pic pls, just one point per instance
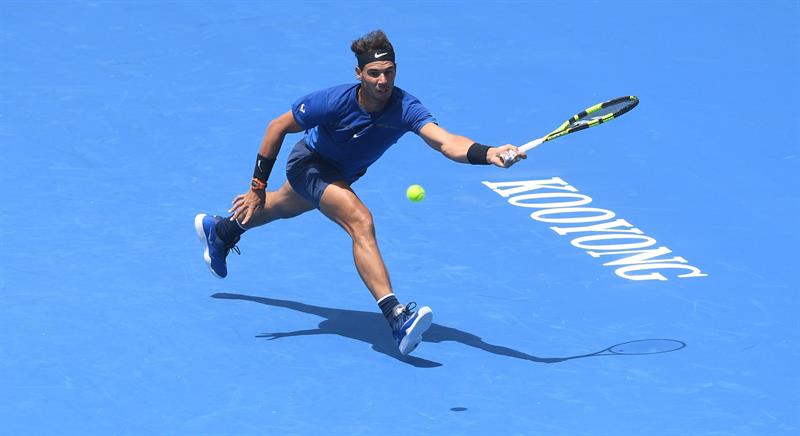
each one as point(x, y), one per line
point(494, 155)
point(246, 205)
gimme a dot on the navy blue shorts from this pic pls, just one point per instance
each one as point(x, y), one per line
point(309, 173)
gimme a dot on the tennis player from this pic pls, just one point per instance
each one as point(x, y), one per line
point(348, 127)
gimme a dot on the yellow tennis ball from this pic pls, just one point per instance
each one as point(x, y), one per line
point(415, 193)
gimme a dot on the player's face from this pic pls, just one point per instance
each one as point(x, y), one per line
point(377, 79)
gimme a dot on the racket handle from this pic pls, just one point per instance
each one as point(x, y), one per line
point(509, 156)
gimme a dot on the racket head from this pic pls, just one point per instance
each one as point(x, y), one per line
point(646, 346)
point(597, 114)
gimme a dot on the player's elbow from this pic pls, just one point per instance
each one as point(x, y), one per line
point(284, 124)
point(456, 148)
point(277, 126)
point(449, 150)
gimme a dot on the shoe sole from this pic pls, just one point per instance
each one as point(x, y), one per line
point(201, 233)
point(417, 329)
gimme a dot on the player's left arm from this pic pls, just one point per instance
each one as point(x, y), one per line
point(457, 147)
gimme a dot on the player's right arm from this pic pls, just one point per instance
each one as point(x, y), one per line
point(457, 147)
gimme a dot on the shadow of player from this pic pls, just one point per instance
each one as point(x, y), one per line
point(372, 328)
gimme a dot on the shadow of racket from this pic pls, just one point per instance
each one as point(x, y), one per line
point(638, 347)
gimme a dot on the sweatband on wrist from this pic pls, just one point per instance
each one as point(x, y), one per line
point(476, 155)
point(263, 168)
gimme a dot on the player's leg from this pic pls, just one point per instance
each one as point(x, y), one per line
point(220, 235)
point(281, 204)
point(342, 205)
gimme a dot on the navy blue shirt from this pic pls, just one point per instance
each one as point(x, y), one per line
point(341, 131)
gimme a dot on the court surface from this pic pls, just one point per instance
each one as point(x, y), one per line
point(119, 121)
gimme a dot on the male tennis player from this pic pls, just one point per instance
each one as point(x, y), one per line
point(348, 127)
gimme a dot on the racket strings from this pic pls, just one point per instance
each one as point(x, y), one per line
point(601, 113)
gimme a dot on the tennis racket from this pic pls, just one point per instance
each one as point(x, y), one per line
point(597, 114)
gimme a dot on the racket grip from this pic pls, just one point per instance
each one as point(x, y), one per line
point(509, 157)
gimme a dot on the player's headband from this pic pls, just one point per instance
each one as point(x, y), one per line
point(374, 56)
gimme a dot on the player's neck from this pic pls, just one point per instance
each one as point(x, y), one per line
point(369, 105)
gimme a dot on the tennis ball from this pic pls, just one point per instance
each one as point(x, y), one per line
point(415, 193)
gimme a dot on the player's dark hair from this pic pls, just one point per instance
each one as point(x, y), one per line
point(372, 41)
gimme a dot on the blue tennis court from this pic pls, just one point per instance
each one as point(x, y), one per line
point(119, 121)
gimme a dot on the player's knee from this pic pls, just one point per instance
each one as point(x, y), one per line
point(361, 223)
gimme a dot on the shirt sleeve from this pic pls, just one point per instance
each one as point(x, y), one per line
point(311, 110)
point(417, 115)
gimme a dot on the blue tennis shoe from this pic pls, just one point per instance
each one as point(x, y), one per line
point(408, 326)
point(216, 250)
